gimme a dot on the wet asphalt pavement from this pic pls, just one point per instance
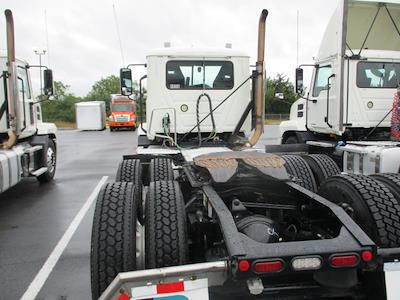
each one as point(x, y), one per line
point(34, 217)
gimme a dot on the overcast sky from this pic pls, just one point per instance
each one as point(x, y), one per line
point(83, 42)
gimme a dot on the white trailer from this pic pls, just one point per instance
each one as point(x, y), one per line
point(90, 115)
point(28, 145)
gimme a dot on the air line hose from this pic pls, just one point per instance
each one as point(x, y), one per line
point(214, 130)
point(395, 121)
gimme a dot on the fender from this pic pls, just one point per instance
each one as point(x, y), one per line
point(302, 136)
point(44, 128)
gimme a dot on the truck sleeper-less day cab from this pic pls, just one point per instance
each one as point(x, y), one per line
point(28, 145)
point(354, 81)
point(197, 213)
point(123, 113)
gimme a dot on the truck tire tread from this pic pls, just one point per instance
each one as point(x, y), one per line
point(166, 239)
point(113, 242)
point(130, 170)
point(297, 167)
point(376, 210)
point(322, 166)
point(160, 168)
point(391, 181)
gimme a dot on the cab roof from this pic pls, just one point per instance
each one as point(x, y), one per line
point(197, 52)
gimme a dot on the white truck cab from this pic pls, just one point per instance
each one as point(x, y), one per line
point(28, 145)
point(184, 85)
point(356, 73)
point(354, 81)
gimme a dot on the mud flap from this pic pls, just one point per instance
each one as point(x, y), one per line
point(392, 278)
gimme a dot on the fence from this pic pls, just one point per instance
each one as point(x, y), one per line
point(275, 118)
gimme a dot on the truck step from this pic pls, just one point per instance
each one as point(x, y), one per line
point(39, 172)
point(33, 149)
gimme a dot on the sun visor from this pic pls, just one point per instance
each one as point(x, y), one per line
point(366, 24)
point(373, 25)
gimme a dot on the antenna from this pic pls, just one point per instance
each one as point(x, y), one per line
point(118, 34)
point(297, 42)
point(47, 37)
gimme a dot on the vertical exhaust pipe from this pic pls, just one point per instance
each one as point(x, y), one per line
point(259, 86)
point(12, 84)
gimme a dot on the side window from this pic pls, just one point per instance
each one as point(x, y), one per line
point(321, 79)
point(23, 83)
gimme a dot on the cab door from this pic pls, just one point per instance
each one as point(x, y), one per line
point(322, 100)
point(28, 116)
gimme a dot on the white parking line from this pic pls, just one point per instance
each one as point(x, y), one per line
point(41, 277)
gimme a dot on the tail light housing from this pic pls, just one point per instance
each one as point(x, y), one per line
point(306, 263)
point(268, 266)
point(367, 255)
point(346, 260)
point(244, 265)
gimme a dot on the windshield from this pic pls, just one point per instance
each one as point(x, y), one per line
point(121, 107)
point(378, 74)
point(199, 75)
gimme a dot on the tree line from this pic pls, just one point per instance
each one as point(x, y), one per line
point(63, 108)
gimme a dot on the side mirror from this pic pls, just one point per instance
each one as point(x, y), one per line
point(48, 88)
point(126, 81)
point(299, 81)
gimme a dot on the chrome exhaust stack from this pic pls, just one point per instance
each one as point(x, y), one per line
point(12, 85)
point(259, 86)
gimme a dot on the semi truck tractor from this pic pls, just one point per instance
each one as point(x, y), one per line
point(28, 145)
point(196, 213)
point(351, 107)
point(123, 113)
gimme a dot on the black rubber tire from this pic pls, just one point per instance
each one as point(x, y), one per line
point(49, 174)
point(112, 129)
point(165, 226)
point(160, 169)
point(291, 140)
point(322, 166)
point(391, 181)
point(375, 209)
point(297, 167)
point(130, 170)
point(113, 245)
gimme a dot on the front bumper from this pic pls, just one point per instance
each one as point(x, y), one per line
point(122, 124)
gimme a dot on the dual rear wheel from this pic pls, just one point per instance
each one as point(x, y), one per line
point(372, 201)
point(117, 234)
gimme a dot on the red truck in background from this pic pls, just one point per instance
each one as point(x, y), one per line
point(123, 113)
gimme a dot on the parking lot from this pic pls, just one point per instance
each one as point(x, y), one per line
point(36, 220)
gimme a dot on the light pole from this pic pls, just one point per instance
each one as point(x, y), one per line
point(40, 53)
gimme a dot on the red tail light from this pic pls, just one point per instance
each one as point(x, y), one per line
point(344, 260)
point(173, 287)
point(367, 256)
point(244, 265)
point(268, 266)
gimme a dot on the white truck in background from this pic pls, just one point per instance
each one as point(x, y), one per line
point(349, 104)
point(28, 145)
